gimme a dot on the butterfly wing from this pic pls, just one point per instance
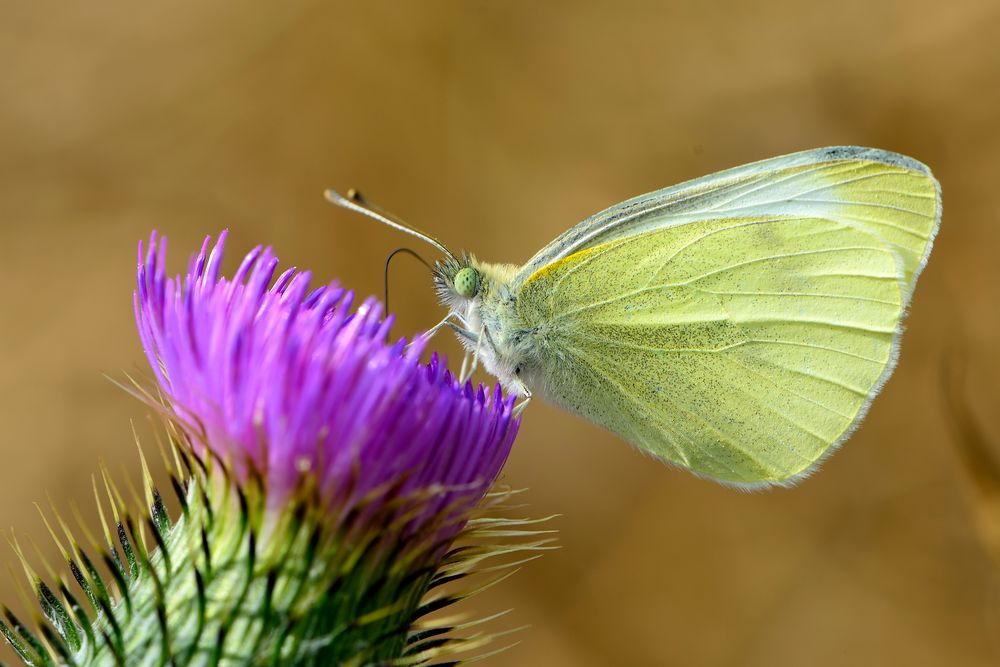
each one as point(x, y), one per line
point(890, 195)
point(740, 325)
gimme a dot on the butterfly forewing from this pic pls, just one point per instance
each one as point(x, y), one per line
point(890, 195)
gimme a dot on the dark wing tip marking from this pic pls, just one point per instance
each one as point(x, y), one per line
point(874, 155)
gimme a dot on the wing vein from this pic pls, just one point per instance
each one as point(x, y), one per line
point(901, 209)
point(819, 322)
point(844, 274)
point(813, 346)
point(798, 196)
point(769, 258)
point(724, 348)
point(761, 181)
point(886, 223)
point(824, 378)
point(850, 297)
point(756, 399)
point(699, 239)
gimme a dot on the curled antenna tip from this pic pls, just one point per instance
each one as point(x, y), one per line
point(353, 196)
point(333, 196)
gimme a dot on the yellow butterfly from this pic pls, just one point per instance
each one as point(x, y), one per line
point(737, 325)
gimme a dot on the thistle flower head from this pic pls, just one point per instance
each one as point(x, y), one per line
point(332, 489)
point(288, 382)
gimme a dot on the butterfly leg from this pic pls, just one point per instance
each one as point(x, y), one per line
point(465, 363)
point(468, 370)
point(519, 408)
point(427, 335)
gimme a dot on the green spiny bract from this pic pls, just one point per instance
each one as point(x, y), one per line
point(232, 582)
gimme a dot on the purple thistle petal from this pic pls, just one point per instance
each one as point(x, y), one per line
point(273, 376)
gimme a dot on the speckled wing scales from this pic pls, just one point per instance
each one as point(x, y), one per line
point(746, 338)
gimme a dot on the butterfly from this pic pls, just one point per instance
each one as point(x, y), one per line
point(737, 325)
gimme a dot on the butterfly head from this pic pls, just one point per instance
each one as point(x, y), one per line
point(466, 282)
point(458, 280)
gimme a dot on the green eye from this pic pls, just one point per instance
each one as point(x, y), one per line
point(467, 282)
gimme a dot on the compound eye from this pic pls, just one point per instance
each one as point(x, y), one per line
point(467, 282)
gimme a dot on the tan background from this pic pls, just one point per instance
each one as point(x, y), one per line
point(496, 125)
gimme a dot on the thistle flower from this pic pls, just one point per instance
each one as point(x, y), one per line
point(290, 383)
point(329, 482)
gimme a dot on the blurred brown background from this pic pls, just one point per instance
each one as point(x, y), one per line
point(495, 126)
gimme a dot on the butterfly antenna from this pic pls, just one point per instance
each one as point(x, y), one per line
point(355, 202)
point(389, 259)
